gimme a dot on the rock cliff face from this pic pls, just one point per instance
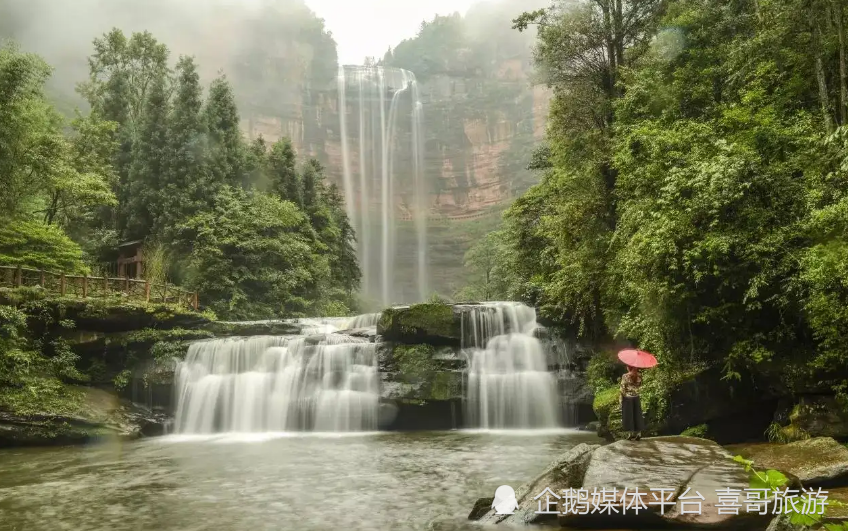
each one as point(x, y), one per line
point(479, 132)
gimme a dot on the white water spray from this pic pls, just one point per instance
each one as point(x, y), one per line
point(509, 385)
point(327, 382)
point(383, 130)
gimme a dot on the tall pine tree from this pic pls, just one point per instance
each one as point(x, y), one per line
point(188, 186)
point(146, 203)
point(226, 144)
point(284, 182)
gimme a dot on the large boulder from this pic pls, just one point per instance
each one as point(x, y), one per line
point(565, 472)
point(422, 384)
point(431, 323)
point(815, 462)
point(677, 464)
point(685, 473)
point(837, 512)
point(818, 416)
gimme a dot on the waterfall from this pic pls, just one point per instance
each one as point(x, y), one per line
point(509, 385)
point(379, 94)
point(323, 382)
point(363, 321)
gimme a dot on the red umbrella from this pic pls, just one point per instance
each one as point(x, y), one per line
point(637, 358)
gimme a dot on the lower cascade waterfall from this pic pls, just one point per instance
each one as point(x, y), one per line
point(509, 385)
point(320, 382)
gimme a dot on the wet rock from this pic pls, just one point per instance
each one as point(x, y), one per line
point(109, 315)
point(681, 466)
point(577, 397)
point(565, 472)
point(432, 323)
point(673, 463)
point(481, 507)
point(386, 414)
point(369, 333)
point(815, 462)
point(416, 415)
point(837, 512)
point(420, 372)
point(253, 328)
point(315, 339)
point(819, 416)
point(101, 415)
point(783, 523)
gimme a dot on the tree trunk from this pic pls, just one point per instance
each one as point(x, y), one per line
point(819, 65)
point(609, 38)
point(52, 209)
point(618, 21)
point(843, 71)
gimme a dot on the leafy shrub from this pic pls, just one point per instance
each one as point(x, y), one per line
point(604, 370)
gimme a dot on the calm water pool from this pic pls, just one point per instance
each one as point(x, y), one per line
point(373, 482)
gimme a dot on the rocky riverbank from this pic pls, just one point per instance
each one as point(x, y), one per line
point(72, 366)
point(681, 482)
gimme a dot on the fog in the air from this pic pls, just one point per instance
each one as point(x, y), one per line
point(62, 32)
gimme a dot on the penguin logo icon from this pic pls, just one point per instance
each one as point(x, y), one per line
point(505, 502)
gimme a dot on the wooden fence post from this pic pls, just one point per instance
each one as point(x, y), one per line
point(85, 285)
point(127, 285)
point(62, 285)
point(195, 301)
point(20, 277)
point(42, 278)
point(105, 284)
point(165, 292)
point(146, 291)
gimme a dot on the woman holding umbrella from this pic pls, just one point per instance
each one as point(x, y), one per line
point(632, 419)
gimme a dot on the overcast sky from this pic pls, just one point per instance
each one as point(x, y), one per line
point(364, 28)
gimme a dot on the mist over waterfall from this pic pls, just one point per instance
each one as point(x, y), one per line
point(381, 118)
point(509, 385)
point(319, 382)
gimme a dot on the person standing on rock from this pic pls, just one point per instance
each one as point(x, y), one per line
point(631, 406)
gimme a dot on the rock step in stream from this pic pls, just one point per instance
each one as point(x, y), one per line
point(682, 482)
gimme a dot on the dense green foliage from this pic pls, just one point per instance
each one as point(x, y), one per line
point(255, 233)
point(692, 198)
point(30, 381)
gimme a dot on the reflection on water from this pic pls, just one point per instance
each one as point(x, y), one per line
point(303, 482)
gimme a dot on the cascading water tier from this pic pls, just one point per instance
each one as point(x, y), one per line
point(508, 385)
point(319, 382)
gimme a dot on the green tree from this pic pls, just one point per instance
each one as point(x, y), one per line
point(84, 175)
point(145, 201)
point(122, 72)
point(188, 185)
point(284, 180)
point(251, 256)
point(487, 269)
point(30, 134)
point(226, 144)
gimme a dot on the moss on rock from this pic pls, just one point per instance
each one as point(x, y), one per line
point(423, 375)
point(85, 415)
point(432, 323)
point(701, 431)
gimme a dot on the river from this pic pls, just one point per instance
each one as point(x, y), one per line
point(305, 482)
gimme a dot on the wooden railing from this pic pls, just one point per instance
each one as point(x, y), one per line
point(89, 286)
